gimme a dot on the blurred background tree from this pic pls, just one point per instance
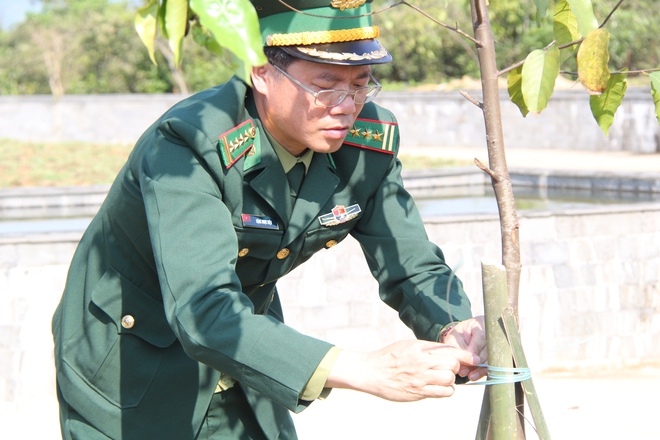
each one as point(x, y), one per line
point(90, 46)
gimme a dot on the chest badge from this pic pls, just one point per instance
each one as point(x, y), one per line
point(340, 214)
point(259, 222)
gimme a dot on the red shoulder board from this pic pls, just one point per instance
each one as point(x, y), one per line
point(374, 135)
point(236, 142)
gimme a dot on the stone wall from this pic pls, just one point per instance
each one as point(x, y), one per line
point(589, 295)
point(427, 119)
point(32, 275)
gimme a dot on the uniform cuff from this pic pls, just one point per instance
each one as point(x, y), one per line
point(444, 330)
point(315, 388)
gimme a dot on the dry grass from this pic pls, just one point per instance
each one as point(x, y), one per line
point(59, 164)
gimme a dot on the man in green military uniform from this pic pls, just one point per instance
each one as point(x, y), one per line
point(170, 326)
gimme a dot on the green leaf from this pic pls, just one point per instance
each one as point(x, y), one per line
point(146, 26)
point(566, 28)
point(655, 92)
point(235, 25)
point(604, 107)
point(584, 12)
point(541, 9)
point(203, 37)
point(592, 59)
point(539, 74)
point(514, 80)
point(161, 18)
point(241, 68)
point(176, 21)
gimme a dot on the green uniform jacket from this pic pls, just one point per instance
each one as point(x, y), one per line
point(171, 254)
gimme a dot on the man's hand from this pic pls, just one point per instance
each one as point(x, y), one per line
point(469, 335)
point(404, 371)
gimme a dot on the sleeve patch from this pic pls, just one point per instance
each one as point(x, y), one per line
point(374, 135)
point(236, 142)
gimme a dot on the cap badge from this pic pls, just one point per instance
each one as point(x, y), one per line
point(340, 214)
point(347, 4)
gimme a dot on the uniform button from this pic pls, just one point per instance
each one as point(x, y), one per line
point(127, 321)
point(281, 255)
point(243, 252)
point(331, 243)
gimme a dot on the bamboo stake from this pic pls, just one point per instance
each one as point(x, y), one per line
point(484, 417)
point(503, 419)
point(511, 328)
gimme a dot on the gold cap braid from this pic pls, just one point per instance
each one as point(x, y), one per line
point(323, 37)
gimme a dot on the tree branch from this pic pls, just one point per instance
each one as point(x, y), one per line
point(520, 63)
point(618, 72)
point(386, 8)
point(455, 29)
point(487, 170)
point(610, 14)
point(510, 68)
point(473, 100)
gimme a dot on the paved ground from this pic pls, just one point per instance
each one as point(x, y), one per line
point(552, 159)
point(600, 405)
point(585, 405)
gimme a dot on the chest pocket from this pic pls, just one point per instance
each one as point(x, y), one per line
point(256, 248)
point(325, 238)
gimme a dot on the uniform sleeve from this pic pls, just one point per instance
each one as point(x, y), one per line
point(411, 271)
point(195, 249)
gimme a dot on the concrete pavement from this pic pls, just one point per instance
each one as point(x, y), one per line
point(584, 405)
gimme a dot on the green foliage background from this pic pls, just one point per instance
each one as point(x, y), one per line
point(90, 46)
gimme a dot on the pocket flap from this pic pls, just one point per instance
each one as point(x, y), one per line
point(143, 315)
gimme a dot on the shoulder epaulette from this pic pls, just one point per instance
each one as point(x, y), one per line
point(374, 135)
point(236, 142)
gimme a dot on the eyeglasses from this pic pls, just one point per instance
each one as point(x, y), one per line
point(332, 98)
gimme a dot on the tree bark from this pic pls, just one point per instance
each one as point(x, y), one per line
point(496, 156)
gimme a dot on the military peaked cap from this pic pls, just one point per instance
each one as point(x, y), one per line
point(322, 31)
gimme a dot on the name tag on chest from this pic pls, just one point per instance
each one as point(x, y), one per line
point(259, 222)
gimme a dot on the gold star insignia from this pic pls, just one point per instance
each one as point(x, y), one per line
point(378, 136)
point(356, 132)
point(368, 134)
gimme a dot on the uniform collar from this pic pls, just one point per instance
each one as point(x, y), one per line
point(287, 159)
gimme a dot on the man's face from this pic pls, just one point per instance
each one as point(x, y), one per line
point(289, 113)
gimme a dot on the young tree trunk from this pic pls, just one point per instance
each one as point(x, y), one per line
point(497, 167)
